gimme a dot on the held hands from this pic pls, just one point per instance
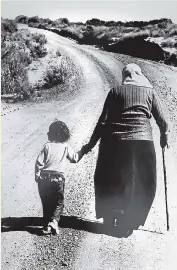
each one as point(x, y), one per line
point(84, 150)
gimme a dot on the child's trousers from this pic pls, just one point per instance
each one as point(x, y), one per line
point(51, 191)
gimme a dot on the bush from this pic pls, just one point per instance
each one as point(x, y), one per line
point(8, 26)
point(64, 21)
point(171, 59)
point(34, 19)
point(157, 32)
point(32, 24)
point(95, 22)
point(53, 76)
point(34, 43)
point(173, 32)
point(170, 43)
point(21, 19)
point(39, 38)
point(68, 34)
point(37, 51)
point(14, 77)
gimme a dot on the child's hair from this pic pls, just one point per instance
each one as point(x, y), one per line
point(59, 132)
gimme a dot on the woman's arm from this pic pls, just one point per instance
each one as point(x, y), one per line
point(99, 129)
point(157, 112)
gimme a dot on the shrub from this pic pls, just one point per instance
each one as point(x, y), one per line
point(173, 32)
point(31, 42)
point(53, 76)
point(37, 51)
point(39, 38)
point(21, 19)
point(171, 59)
point(47, 20)
point(95, 22)
point(110, 23)
point(170, 43)
point(34, 19)
point(157, 32)
point(64, 21)
point(67, 33)
point(14, 77)
point(8, 26)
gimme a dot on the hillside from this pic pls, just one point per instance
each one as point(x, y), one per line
point(111, 35)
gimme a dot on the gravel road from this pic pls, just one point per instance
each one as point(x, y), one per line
point(23, 134)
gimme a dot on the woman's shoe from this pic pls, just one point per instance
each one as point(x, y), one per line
point(109, 223)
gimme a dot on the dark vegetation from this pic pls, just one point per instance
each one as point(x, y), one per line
point(138, 47)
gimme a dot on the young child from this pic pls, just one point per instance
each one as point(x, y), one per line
point(49, 174)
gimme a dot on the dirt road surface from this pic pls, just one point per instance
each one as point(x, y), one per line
point(79, 246)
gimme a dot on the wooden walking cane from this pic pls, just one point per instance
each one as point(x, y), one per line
point(165, 185)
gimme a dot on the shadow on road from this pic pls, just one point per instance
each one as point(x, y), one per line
point(33, 225)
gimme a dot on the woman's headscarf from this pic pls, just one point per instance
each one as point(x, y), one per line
point(133, 75)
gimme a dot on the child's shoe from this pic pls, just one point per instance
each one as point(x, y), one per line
point(47, 230)
point(54, 226)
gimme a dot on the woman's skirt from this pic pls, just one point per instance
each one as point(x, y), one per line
point(125, 180)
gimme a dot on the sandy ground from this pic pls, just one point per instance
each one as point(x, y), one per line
point(77, 246)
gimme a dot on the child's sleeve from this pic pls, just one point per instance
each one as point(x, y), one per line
point(41, 160)
point(71, 155)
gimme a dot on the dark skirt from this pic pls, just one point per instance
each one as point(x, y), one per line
point(125, 180)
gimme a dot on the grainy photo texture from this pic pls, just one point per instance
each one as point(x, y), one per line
point(89, 135)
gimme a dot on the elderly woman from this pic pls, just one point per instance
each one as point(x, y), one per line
point(125, 176)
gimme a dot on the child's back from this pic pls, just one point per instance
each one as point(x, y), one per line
point(53, 157)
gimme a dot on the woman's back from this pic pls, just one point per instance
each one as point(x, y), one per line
point(131, 100)
point(128, 111)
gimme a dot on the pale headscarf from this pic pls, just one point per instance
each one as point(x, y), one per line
point(133, 75)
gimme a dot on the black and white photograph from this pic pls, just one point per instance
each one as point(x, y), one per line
point(88, 135)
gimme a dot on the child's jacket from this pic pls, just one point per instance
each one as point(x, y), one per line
point(53, 157)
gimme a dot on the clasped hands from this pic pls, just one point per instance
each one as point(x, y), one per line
point(84, 150)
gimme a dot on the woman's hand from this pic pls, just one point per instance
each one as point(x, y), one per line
point(84, 150)
point(164, 140)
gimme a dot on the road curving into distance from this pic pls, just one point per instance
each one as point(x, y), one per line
point(24, 131)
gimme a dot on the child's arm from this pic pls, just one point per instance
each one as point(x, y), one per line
point(40, 161)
